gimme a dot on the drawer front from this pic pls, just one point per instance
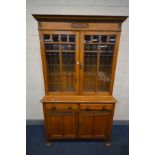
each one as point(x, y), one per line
point(51, 106)
point(96, 106)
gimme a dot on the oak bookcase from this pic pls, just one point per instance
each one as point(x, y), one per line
point(79, 55)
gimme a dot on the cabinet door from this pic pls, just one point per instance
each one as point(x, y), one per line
point(62, 124)
point(94, 124)
point(61, 55)
point(97, 62)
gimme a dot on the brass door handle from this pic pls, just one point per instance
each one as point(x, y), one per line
point(87, 108)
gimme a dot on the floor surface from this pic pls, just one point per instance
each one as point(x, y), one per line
point(36, 145)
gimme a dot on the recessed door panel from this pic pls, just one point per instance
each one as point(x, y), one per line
point(94, 124)
point(85, 125)
point(55, 124)
point(70, 126)
point(62, 124)
point(100, 125)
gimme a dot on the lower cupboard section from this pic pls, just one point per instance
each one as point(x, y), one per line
point(78, 124)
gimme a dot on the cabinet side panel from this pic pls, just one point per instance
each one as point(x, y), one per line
point(114, 61)
point(45, 122)
point(43, 57)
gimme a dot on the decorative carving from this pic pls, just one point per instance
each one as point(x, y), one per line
point(79, 25)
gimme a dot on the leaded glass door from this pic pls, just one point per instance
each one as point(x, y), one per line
point(96, 62)
point(80, 62)
point(61, 53)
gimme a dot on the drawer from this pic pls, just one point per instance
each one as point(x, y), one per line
point(96, 106)
point(58, 106)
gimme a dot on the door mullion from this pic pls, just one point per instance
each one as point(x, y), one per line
point(98, 63)
point(81, 34)
point(61, 70)
point(77, 64)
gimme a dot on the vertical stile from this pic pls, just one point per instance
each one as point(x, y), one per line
point(77, 63)
point(61, 70)
point(43, 56)
point(98, 63)
point(116, 47)
point(81, 61)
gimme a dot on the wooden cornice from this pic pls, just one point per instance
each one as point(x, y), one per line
point(79, 18)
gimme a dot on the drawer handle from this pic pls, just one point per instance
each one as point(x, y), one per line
point(87, 108)
point(53, 108)
point(69, 108)
point(103, 108)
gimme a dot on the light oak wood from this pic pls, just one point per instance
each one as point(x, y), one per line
point(62, 124)
point(94, 124)
point(96, 106)
point(81, 18)
point(67, 26)
point(78, 99)
point(114, 62)
point(61, 106)
point(78, 113)
point(77, 63)
point(43, 63)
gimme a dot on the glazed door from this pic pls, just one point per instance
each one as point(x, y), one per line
point(97, 52)
point(62, 124)
point(61, 67)
point(79, 62)
point(94, 124)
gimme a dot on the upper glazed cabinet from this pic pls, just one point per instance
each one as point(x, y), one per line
point(79, 58)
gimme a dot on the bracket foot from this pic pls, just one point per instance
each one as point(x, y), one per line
point(107, 143)
point(48, 143)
